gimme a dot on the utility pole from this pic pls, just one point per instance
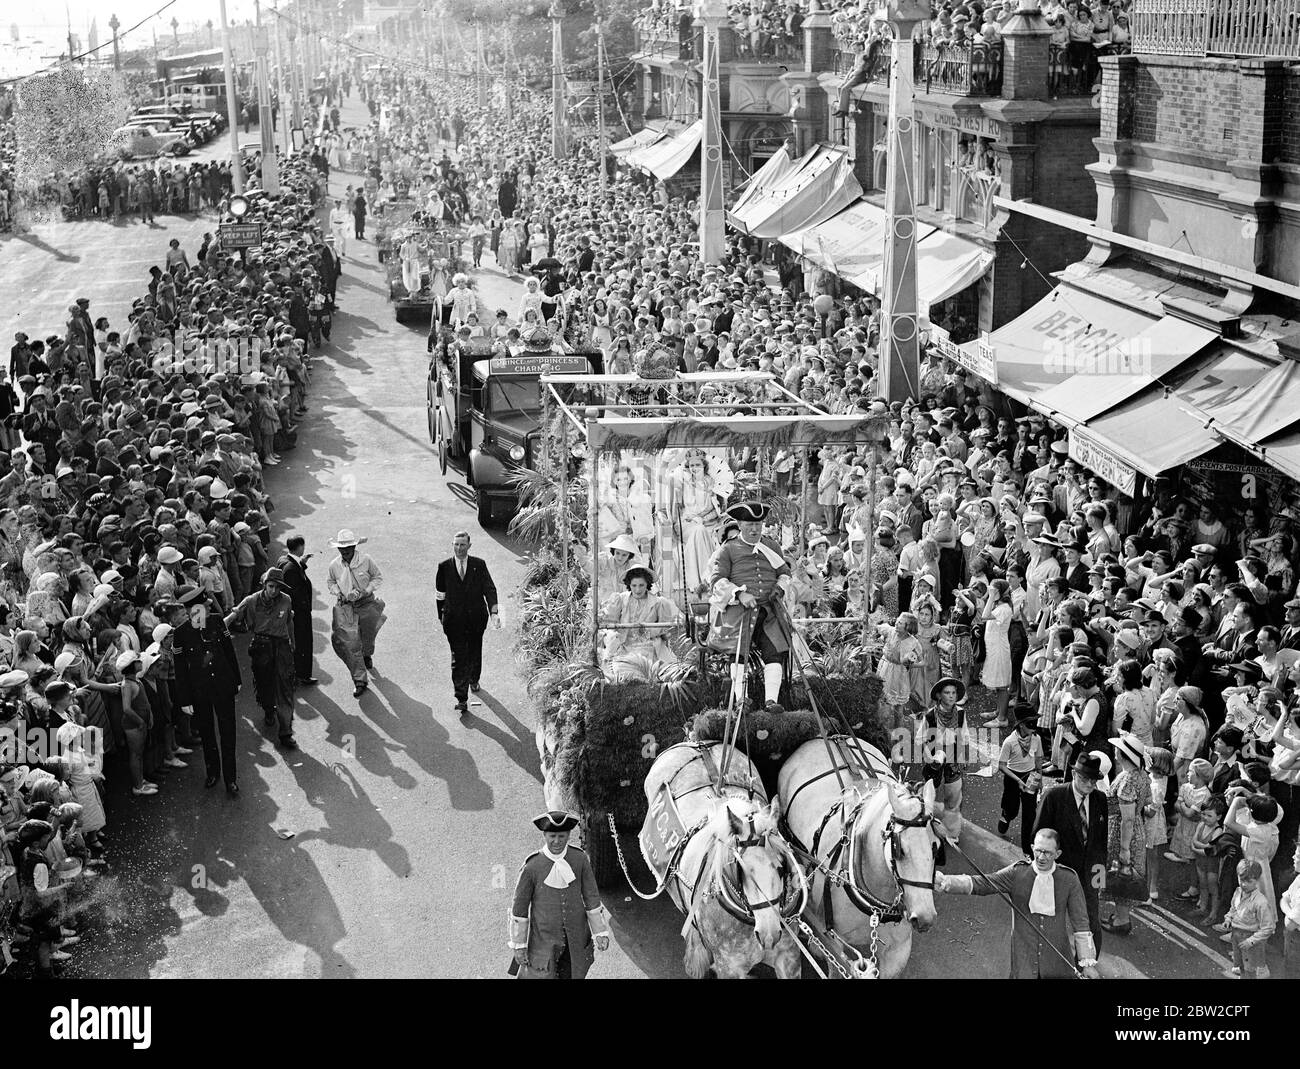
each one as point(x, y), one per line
point(713, 236)
point(600, 98)
point(176, 33)
point(557, 79)
point(208, 24)
point(265, 124)
point(113, 24)
point(900, 357)
point(296, 118)
point(279, 75)
point(232, 114)
point(480, 64)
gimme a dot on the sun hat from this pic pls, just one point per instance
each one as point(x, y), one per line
point(345, 538)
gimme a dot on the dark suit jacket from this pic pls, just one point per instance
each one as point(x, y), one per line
point(464, 603)
point(205, 662)
point(1086, 856)
point(298, 583)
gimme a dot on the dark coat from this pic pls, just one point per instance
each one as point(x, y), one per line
point(1031, 957)
point(464, 604)
point(1083, 854)
point(206, 666)
point(298, 583)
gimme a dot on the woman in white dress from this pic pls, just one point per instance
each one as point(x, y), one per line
point(463, 300)
point(626, 510)
point(334, 155)
point(410, 257)
point(652, 615)
point(997, 646)
point(699, 515)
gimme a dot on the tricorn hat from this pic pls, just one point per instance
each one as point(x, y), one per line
point(555, 820)
point(749, 512)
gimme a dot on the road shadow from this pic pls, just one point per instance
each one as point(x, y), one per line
point(518, 743)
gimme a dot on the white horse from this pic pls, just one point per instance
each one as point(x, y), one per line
point(736, 876)
point(874, 834)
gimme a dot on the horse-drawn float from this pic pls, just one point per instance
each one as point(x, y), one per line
point(771, 817)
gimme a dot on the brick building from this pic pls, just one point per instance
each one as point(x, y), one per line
point(1170, 349)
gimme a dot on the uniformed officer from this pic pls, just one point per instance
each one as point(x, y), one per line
point(207, 680)
point(268, 613)
point(557, 908)
point(751, 572)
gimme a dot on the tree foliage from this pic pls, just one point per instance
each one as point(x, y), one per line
point(65, 119)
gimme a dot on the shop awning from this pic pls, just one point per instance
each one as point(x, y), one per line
point(1150, 432)
point(850, 244)
point(947, 264)
point(665, 158)
point(808, 190)
point(776, 167)
point(1044, 346)
point(1105, 378)
point(1283, 453)
point(1267, 407)
point(640, 139)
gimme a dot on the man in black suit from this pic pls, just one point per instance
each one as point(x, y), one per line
point(1077, 813)
point(207, 680)
point(298, 583)
point(466, 598)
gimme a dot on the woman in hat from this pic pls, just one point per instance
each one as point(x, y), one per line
point(996, 676)
point(1188, 732)
point(557, 914)
point(943, 747)
point(1130, 805)
point(639, 621)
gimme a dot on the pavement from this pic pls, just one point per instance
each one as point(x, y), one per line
point(388, 845)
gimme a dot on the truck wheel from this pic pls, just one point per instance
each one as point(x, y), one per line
point(600, 850)
point(484, 510)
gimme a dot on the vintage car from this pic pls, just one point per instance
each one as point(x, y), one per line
point(485, 409)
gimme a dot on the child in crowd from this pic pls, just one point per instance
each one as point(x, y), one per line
point(1192, 795)
point(1160, 763)
point(1251, 921)
point(1208, 846)
point(902, 651)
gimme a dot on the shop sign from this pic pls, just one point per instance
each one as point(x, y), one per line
point(982, 361)
point(1103, 463)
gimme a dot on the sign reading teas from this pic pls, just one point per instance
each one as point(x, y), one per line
point(980, 359)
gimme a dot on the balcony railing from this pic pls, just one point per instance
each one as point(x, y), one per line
point(1255, 28)
point(959, 70)
point(668, 47)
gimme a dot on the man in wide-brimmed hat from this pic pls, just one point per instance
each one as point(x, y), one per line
point(557, 909)
point(353, 578)
point(1021, 761)
point(1077, 812)
point(268, 614)
point(747, 574)
point(942, 729)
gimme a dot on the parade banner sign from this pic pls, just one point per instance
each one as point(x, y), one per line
point(557, 364)
point(738, 432)
point(1103, 463)
point(662, 832)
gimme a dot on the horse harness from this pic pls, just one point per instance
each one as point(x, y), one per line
point(729, 895)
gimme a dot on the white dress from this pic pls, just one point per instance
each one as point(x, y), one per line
point(997, 649)
point(410, 253)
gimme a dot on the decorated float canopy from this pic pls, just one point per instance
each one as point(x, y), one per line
point(780, 419)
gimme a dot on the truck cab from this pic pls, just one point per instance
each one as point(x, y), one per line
point(487, 409)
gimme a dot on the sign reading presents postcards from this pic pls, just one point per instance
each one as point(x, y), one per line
point(981, 361)
point(1103, 463)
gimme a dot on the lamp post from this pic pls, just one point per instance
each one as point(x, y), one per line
point(208, 24)
point(900, 357)
point(113, 24)
point(279, 75)
point(176, 33)
point(713, 238)
point(557, 79)
point(296, 118)
point(232, 114)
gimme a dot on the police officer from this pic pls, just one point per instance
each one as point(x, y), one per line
point(207, 680)
point(268, 613)
point(747, 571)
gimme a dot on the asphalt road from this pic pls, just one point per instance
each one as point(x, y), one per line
point(388, 844)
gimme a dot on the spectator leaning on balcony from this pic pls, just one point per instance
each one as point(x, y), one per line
point(869, 58)
point(990, 33)
point(1103, 21)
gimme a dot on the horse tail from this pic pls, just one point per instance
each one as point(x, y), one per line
point(698, 959)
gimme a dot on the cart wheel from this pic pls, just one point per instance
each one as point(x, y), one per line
point(442, 451)
point(600, 849)
point(484, 511)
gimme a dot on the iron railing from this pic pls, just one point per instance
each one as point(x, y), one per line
point(1254, 28)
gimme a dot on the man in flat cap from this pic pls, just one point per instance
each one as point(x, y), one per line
point(748, 572)
point(557, 909)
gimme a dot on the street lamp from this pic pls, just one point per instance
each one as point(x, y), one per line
point(113, 24)
point(209, 26)
point(176, 32)
point(238, 206)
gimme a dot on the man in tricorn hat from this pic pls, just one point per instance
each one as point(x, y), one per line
point(748, 572)
point(557, 908)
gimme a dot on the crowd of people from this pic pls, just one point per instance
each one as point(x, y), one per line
point(134, 527)
point(1150, 647)
point(765, 29)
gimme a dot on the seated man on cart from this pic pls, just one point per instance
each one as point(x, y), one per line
point(749, 574)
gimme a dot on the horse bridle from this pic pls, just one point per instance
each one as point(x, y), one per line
point(732, 896)
point(892, 836)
